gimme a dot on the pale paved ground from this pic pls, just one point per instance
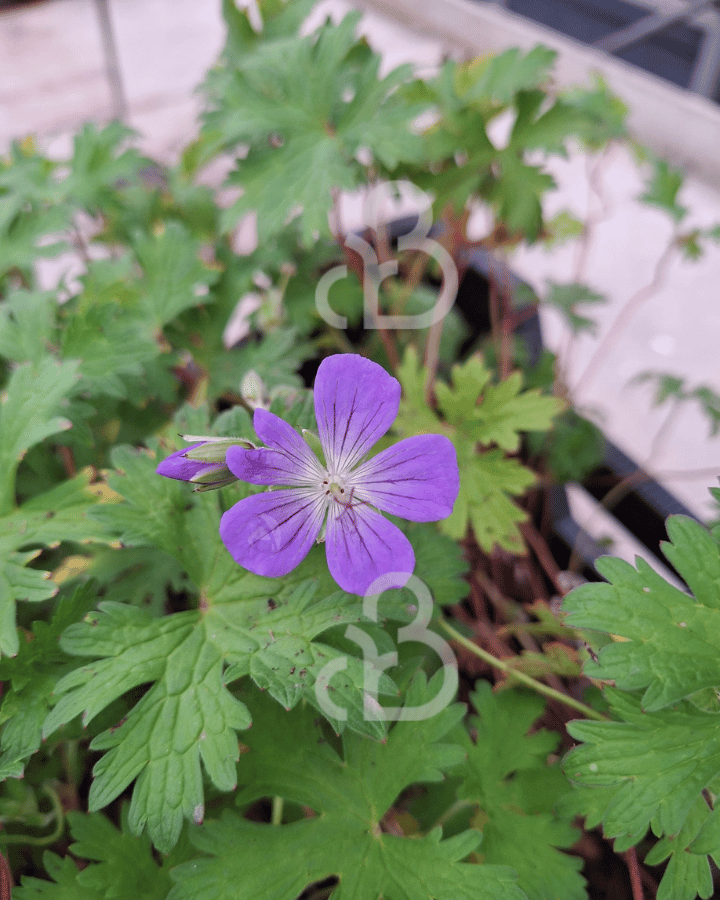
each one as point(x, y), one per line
point(52, 78)
point(52, 67)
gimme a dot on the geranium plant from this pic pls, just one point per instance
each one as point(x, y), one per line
point(199, 700)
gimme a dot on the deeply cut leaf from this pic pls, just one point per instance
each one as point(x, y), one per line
point(345, 839)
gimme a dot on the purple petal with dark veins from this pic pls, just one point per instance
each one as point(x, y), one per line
point(289, 461)
point(362, 546)
point(271, 533)
point(356, 401)
point(177, 466)
point(416, 479)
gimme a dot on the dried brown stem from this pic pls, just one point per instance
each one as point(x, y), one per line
point(538, 545)
point(512, 611)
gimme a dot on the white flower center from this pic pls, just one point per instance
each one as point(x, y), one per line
point(335, 488)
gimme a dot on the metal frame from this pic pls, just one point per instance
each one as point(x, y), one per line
point(705, 78)
point(706, 74)
point(112, 61)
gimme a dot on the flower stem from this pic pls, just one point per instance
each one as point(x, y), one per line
point(532, 683)
point(47, 839)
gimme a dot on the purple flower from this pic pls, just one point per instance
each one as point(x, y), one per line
point(202, 463)
point(356, 402)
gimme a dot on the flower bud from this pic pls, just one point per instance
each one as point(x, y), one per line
point(203, 463)
point(253, 390)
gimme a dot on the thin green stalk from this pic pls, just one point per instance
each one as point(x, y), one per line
point(47, 839)
point(457, 806)
point(71, 759)
point(277, 810)
point(532, 683)
point(7, 487)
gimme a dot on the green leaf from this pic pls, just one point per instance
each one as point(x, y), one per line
point(516, 193)
point(687, 874)
point(468, 381)
point(125, 867)
point(671, 641)
point(563, 227)
point(508, 775)
point(276, 359)
point(486, 480)
point(350, 795)
point(603, 114)
point(143, 576)
point(707, 839)
point(573, 449)
point(273, 640)
point(151, 514)
point(504, 413)
point(305, 126)
point(666, 386)
point(477, 411)
point(501, 77)
point(710, 403)
point(32, 674)
point(27, 320)
point(280, 18)
point(98, 165)
point(28, 414)
point(175, 276)
point(653, 767)
point(305, 187)
point(110, 342)
point(541, 127)
point(690, 244)
point(187, 715)
point(24, 234)
point(650, 766)
point(663, 189)
point(64, 886)
point(415, 415)
point(55, 516)
point(27, 176)
point(439, 562)
point(567, 297)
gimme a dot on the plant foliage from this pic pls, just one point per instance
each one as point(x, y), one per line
point(173, 726)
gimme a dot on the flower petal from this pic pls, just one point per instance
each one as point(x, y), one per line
point(178, 466)
point(356, 401)
point(289, 461)
point(417, 478)
point(271, 533)
point(362, 546)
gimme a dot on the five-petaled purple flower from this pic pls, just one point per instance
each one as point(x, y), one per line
point(356, 402)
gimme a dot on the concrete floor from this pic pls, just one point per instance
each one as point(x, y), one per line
point(53, 77)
